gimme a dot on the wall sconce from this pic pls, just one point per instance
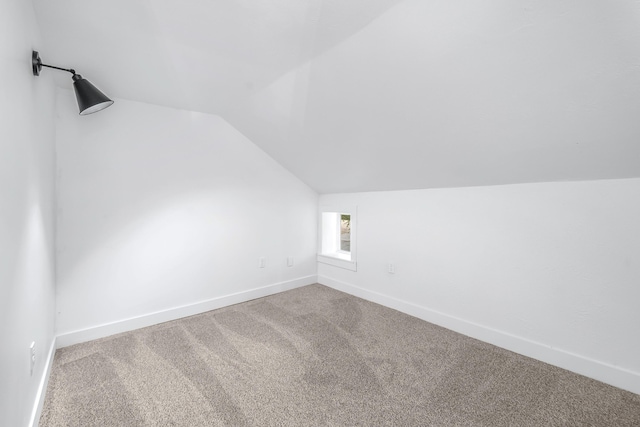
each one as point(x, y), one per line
point(90, 99)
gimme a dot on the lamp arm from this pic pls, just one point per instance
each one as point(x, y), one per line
point(36, 64)
point(70, 70)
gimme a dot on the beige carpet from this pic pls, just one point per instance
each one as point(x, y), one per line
point(317, 357)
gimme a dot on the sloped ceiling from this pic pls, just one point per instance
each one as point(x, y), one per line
point(365, 95)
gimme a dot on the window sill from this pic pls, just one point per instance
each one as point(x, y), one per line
point(338, 260)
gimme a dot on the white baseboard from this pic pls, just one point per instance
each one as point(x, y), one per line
point(42, 388)
point(105, 330)
point(613, 375)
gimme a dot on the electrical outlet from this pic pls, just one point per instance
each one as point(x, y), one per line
point(289, 261)
point(262, 262)
point(32, 357)
point(391, 268)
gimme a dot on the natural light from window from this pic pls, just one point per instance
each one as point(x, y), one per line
point(345, 232)
point(337, 238)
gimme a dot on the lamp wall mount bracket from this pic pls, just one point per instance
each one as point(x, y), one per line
point(36, 65)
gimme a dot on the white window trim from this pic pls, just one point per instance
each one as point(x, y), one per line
point(338, 258)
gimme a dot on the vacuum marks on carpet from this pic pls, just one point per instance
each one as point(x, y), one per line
point(316, 356)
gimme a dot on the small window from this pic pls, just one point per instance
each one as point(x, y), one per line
point(336, 243)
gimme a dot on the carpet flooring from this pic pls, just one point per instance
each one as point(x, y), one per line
point(314, 356)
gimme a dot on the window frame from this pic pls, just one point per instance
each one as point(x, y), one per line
point(329, 251)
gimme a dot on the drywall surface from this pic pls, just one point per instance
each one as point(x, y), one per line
point(161, 208)
point(387, 94)
point(550, 263)
point(27, 294)
point(208, 55)
point(436, 94)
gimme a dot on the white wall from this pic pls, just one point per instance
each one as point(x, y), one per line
point(549, 270)
point(27, 294)
point(161, 208)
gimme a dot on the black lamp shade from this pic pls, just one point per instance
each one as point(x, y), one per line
point(90, 99)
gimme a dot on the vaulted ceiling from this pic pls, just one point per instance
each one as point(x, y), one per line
point(364, 95)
